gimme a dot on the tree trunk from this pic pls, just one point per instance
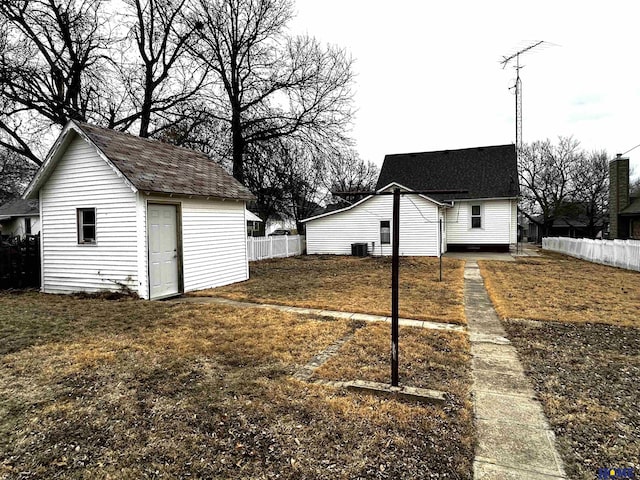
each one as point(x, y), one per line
point(238, 148)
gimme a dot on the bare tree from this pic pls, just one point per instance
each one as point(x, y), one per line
point(272, 85)
point(590, 178)
point(634, 188)
point(15, 173)
point(546, 172)
point(50, 56)
point(162, 77)
point(347, 172)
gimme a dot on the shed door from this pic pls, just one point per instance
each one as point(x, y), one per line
point(163, 250)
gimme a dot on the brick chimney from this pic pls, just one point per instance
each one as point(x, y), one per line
point(618, 195)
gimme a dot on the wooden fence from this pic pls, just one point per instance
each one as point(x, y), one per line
point(617, 253)
point(20, 262)
point(276, 246)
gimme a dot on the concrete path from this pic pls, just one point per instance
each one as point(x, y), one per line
point(514, 437)
point(406, 322)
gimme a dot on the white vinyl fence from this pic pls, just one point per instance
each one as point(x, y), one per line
point(617, 253)
point(276, 246)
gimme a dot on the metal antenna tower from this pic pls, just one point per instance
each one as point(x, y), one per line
point(518, 89)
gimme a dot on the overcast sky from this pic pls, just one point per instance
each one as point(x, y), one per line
point(429, 74)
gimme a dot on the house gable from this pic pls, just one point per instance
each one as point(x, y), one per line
point(79, 178)
point(334, 233)
point(386, 188)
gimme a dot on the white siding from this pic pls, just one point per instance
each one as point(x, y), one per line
point(335, 233)
point(82, 179)
point(498, 223)
point(214, 235)
point(214, 247)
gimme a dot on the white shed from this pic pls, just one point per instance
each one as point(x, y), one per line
point(120, 211)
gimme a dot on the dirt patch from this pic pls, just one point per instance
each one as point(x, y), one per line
point(586, 376)
point(352, 284)
point(560, 288)
point(91, 388)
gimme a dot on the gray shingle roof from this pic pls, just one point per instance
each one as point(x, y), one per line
point(19, 208)
point(485, 172)
point(633, 208)
point(157, 167)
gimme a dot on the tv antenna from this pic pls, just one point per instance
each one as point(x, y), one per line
point(518, 89)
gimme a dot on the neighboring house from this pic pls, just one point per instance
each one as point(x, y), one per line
point(573, 226)
point(19, 217)
point(119, 211)
point(484, 217)
point(255, 225)
point(624, 210)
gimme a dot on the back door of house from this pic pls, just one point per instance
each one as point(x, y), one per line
point(162, 230)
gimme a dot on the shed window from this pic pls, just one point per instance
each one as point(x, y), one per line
point(385, 232)
point(476, 216)
point(87, 225)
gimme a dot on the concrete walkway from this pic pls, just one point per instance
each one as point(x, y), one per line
point(514, 437)
point(365, 317)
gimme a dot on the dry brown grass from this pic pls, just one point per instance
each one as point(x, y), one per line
point(91, 388)
point(586, 376)
point(351, 284)
point(560, 288)
point(443, 356)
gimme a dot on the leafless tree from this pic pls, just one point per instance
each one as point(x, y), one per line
point(50, 58)
point(634, 188)
point(590, 179)
point(15, 173)
point(347, 172)
point(271, 85)
point(162, 77)
point(546, 173)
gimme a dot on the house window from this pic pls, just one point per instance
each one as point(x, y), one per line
point(385, 232)
point(87, 225)
point(27, 226)
point(476, 216)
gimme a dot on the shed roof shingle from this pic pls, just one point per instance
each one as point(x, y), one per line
point(484, 172)
point(157, 167)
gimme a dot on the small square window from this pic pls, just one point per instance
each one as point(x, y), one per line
point(475, 210)
point(385, 232)
point(87, 225)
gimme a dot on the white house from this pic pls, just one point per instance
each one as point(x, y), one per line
point(19, 217)
point(479, 213)
point(120, 211)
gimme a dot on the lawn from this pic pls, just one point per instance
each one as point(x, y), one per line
point(97, 388)
point(354, 284)
point(577, 330)
point(562, 288)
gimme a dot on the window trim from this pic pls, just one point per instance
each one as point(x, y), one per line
point(388, 232)
point(479, 216)
point(80, 226)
